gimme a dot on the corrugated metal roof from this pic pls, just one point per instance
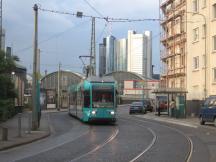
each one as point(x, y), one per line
point(101, 79)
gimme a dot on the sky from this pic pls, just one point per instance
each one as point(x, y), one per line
point(63, 38)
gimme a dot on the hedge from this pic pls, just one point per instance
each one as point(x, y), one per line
point(7, 109)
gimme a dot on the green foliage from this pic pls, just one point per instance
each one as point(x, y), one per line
point(7, 65)
point(6, 87)
point(7, 91)
point(7, 109)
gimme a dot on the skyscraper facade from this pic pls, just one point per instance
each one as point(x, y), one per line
point(148, 53)
point(3, 40)
point(102, 58)
point(121, 55)
point(110, 54)
point(139, 56)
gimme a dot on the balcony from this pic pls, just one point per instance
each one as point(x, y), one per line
point(166, 54)
point(168, 5)
point(172, 16)
point(165, 3)
point(173, 73)
point(170, 37)
point(174, 40)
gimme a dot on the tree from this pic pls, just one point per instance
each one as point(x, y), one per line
point(7, 91)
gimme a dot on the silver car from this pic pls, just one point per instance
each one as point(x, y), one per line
point(137, 107)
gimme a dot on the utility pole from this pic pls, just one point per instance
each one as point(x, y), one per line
point(59, 84)
point(1, 25)
point(35, 104)
point(38, 86)
point(93, 50)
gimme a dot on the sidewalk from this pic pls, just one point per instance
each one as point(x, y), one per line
point(26, 137)
point(189, 122)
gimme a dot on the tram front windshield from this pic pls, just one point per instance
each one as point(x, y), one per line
point(102, 99)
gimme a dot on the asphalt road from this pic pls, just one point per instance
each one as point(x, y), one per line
point(131, 139)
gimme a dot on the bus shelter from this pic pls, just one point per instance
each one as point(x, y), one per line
point(173, 100)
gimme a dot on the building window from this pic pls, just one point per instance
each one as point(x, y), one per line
point(172, 84)
point(214, 43)
point(214, 74)
point(214, 11)
point(168, 8)
point(172, 63)
point(203, 30)
point(177, 2)
point(203, 3)
point(196, 62)
point(182, 83)
point(195, 34)
point(182, 60)
point(195, 5)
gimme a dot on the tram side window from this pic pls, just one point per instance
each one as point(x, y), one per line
point(79, 99)
point(86, 99)
point(74, 99)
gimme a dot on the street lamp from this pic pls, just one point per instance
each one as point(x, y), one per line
point(13, 76)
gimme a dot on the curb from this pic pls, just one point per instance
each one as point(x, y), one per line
point(181, 123)
point(171, 121)
point(55, 111)
point(47, 134)
point(24, 143)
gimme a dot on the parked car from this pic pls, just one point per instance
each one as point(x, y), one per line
point(208, 111)
point(148, 104)
point(137, 107)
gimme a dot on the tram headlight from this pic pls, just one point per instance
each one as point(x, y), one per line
point(112, 112)
point(93, 112)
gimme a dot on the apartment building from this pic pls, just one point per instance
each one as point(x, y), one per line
point(188, 51)
point(201, 47)
point(173, 41)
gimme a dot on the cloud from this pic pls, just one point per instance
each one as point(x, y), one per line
point(18, 19)
point(125, 8)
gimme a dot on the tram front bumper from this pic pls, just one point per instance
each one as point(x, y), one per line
point(94, 119)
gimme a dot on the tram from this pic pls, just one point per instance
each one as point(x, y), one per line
point(94, 99)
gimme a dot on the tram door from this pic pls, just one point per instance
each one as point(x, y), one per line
point(80, 104)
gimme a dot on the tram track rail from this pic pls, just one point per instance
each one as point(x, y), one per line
point(98, 147)
point(149, 146)
point(190, 142)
